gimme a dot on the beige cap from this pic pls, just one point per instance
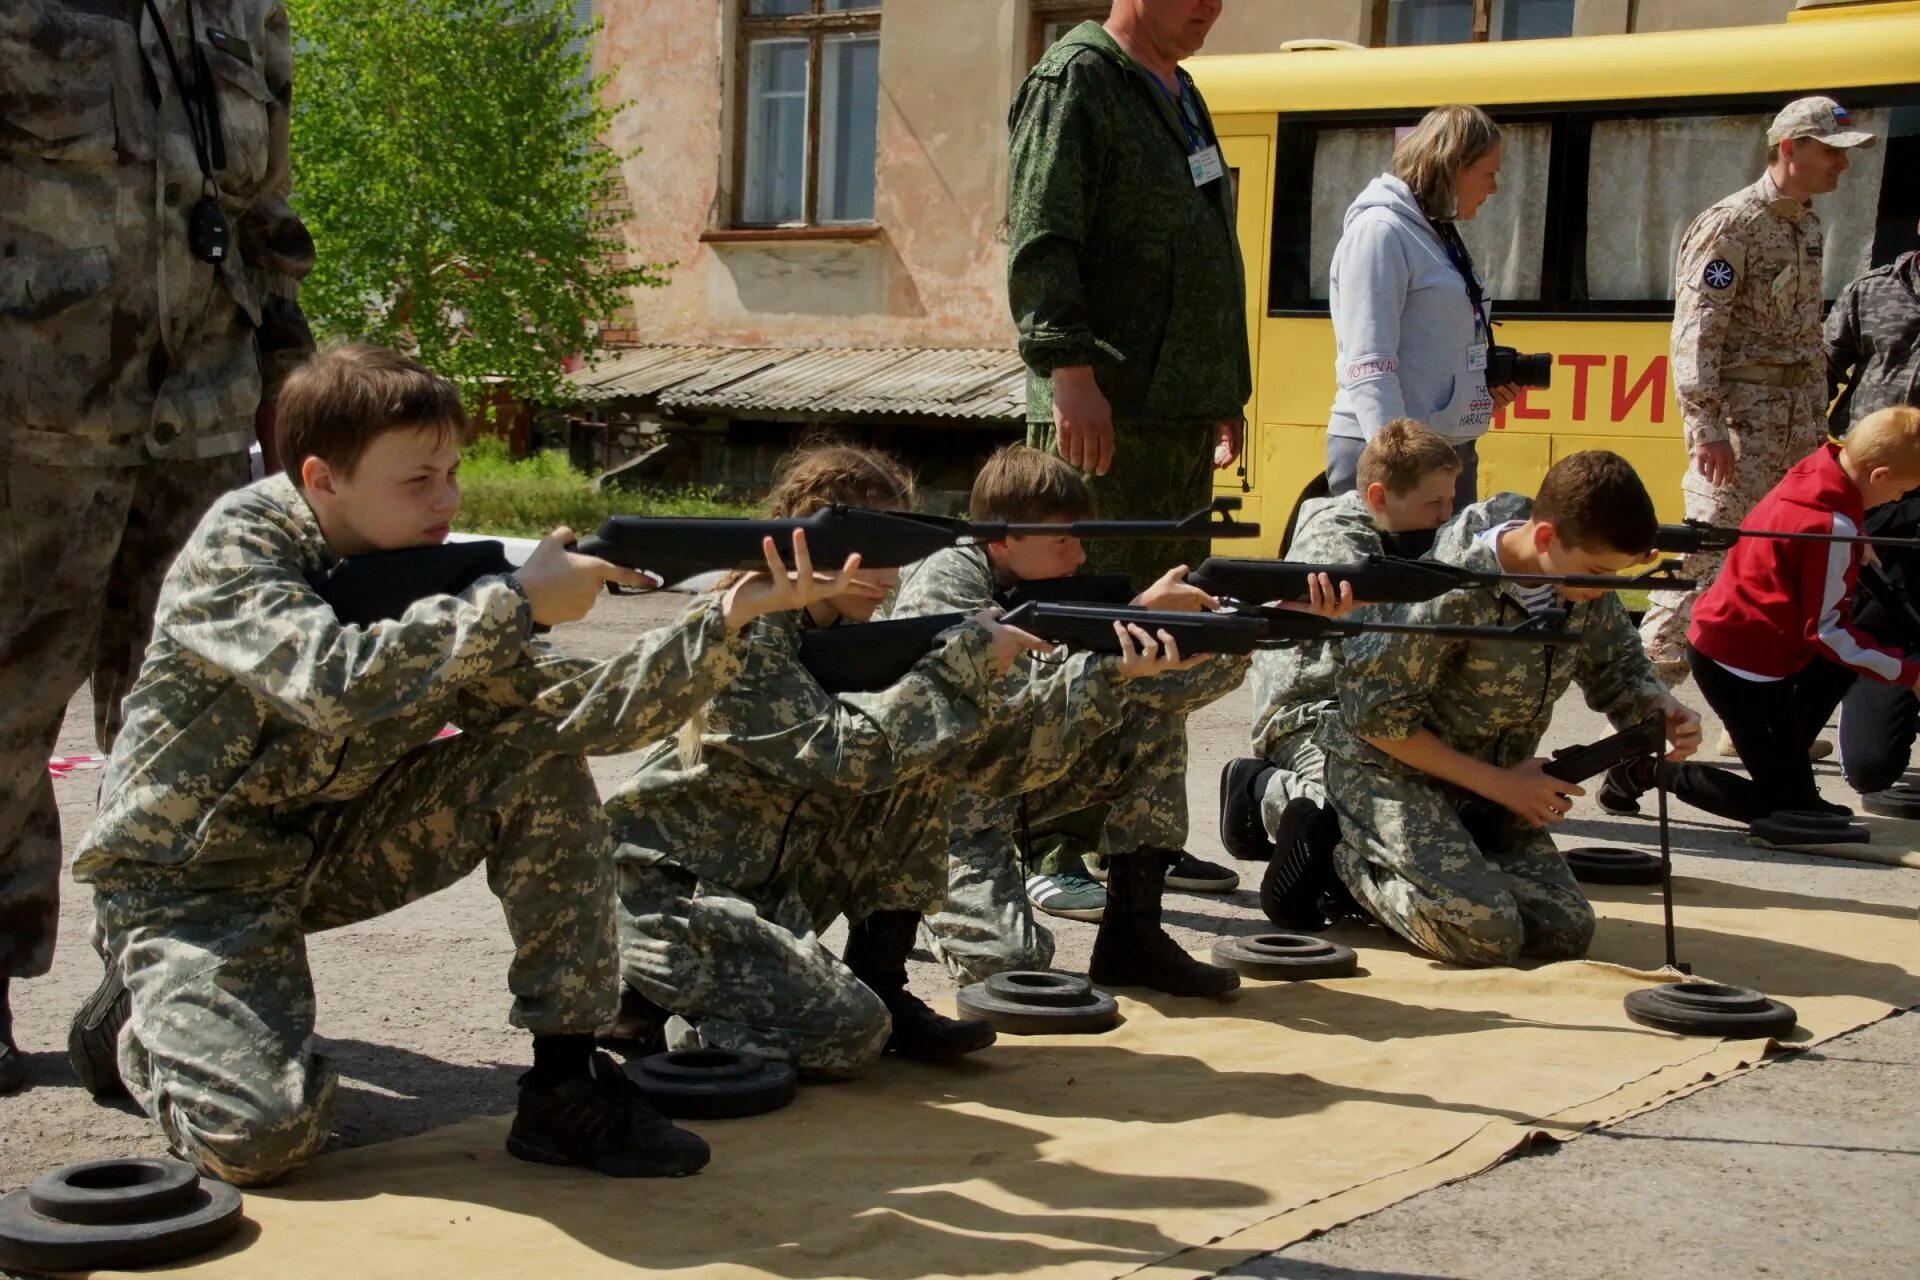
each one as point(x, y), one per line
point(1821, 119)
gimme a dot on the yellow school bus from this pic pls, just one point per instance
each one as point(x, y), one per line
point(1612, 144)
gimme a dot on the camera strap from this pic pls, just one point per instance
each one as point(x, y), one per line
point(1462, 260)
point(199, 103)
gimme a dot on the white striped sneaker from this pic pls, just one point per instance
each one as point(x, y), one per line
point(1069, 896)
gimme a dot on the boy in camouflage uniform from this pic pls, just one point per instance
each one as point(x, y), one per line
point(1426, 725)
point(1403, 484)
point(280, 773)
point(1094, 740)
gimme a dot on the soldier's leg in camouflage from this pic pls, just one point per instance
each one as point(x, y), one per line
point(748, 975)
point(1299, 772)
point(1407, 859)
point(58, 530)
point(986, 925)
point(1555, 917)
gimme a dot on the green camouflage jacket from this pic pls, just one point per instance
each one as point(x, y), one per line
point(778, 754)
point(256, 702)
point(1488, 700)
point(1116, 259)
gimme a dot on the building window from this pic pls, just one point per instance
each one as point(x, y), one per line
point(809, 105)
point(1054, 18)
point(1458, 21)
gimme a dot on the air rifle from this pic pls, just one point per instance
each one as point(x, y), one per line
point(1691, 536)
point(1090, 627)
point(675, 548)
point(383, 585)
point(1493, 825)
point(1384, 580)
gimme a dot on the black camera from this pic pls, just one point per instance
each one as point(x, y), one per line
point(1506, 366)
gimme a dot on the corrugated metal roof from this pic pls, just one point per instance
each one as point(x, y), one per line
point(892, 381)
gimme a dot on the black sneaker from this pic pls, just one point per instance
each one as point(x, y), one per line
point(921, 1035)
point(1242, 831)
point(1297, 875)
point(1619, 793)
point(13, 1072)
point(601, 1121)
point(93, 1038)
point(1195, 875)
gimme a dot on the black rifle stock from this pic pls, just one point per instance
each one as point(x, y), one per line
point(1690, 536)
point(383, 585)
point(1493, 825)
point(674, 548)
point(1385, 580)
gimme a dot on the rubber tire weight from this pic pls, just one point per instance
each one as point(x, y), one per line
point(1600, 864)
point(1039, 1002)
point(109, 1214)
point(714, 1084)
point(1898, 801)
point(1286, 957)
point(1709, 1009)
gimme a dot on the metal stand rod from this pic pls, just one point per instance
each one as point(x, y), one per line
point(1666, 873)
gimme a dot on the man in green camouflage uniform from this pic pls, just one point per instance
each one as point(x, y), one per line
point(130, 370)
point(801, 806)
point(280, 774)
point(1124, 273)
point(1404, 851)
point(1069, 733)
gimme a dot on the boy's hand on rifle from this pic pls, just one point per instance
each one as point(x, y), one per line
point(782, 590)
point(1683, 727)
point(1538, 798)
point(1173, 592)
point(1008, 642)
point(1324, 600)
point(562, 585)
point(1143, 655)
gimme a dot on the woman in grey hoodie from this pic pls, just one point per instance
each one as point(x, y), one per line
point(1410, 323)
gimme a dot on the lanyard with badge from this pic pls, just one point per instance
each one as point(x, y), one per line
point(1203, 157)
point(1462, 260)
point(207, 230)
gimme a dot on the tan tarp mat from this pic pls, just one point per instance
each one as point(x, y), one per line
point(1190, 1138)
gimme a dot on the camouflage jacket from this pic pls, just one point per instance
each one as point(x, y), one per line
point(1747, 291)
point(1294, 685)
point(1873, 342)
point(1487, 700)
point(1116, 259)
point(116, 344)
point(256, 703)
point(778, 753)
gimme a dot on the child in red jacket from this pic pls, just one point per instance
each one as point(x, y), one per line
point(1772, 643)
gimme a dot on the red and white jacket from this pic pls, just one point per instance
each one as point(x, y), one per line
point(1778, 605)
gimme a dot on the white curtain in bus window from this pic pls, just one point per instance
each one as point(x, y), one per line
point(1649, 179)
point(1506, 236)
point(775, 183)
point(849, 107)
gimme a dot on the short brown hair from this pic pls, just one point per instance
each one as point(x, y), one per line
point(349, 394)
point(830, 473)
point(1594, 500)
point(1401, 455)
point(1429, 159)
point(1887, 438)
point(1023, 485)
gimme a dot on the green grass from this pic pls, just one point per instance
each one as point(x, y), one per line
point(529, 498)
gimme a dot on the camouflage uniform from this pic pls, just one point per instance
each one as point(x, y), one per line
point(279, 774)
point(802, 806)
point(1747, 307)
point(1403, 849)
point(129, 370)
point(1873, 342)
point(1119, 262)
point(1068, 734)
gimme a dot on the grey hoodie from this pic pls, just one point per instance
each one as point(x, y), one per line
point(1403, 327)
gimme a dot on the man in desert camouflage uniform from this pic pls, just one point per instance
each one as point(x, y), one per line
point(131, 371)
point(1749, 370)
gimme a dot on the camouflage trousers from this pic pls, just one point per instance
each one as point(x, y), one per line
point(1135, 778)
point(1160, 471)
point(218, 1048)
point(746, 966)
point(1299, 772)
point(82, 554)
point(1777, 426)
point(1408, 859)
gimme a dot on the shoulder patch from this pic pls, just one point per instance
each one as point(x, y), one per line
point(1718, 275)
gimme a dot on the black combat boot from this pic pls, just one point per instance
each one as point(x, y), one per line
point(1131, 950)
point(597, 1118)
point(93, 1038)
point(877, 950)
point(13, 1072)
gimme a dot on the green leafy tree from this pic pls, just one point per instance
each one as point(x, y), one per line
point(449, 158)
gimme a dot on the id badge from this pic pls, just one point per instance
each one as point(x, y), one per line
point(1206, 166)
point(1477, 358)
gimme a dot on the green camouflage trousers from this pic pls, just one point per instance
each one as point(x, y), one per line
point(82, 554)
point(745, 964)
point(1300, 771)
point(1408, 859)
point(218, 1048)
point(1159, 472)
point(1136, 776)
